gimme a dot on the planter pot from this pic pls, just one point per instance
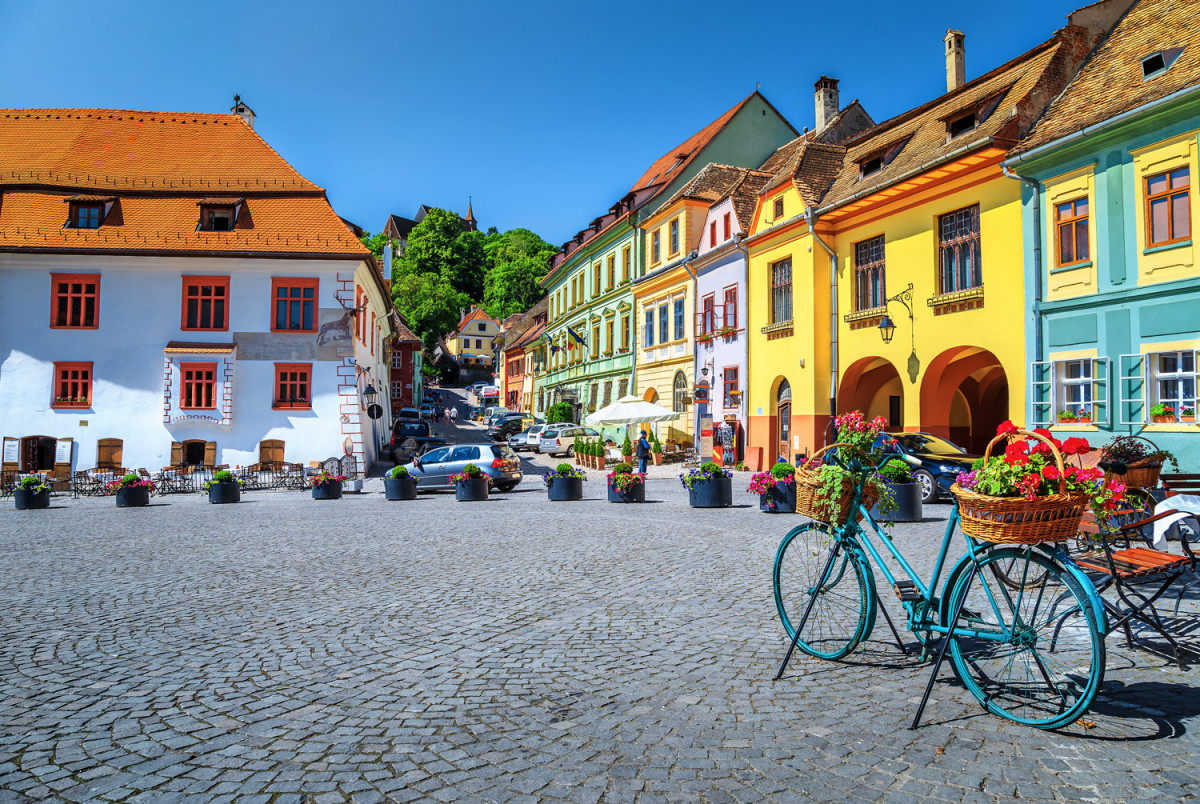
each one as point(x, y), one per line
point(473, 490)
point(225, 492)
point(657, 458)
point(132, 497)
point(779, 499)
point(328, 491)
point(600, 463)
point(635, 494)
point(565, 489)
point(399, 488)
point(627, 459)
point(1187, 419)
point(29, 500)
point(714, 493)
point(908, 503)
point(1164, 419)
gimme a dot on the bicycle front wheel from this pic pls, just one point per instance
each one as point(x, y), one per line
point(1028, 648)
point(814, 573)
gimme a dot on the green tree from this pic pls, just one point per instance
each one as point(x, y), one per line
point(438, 245)
point(429, 303)
point(518, 260)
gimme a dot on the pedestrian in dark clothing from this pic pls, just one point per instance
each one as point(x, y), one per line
point(643, 452)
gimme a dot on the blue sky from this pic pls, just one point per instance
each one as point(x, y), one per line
point(544, 112)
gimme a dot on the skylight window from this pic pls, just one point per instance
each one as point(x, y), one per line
point(1158, 63)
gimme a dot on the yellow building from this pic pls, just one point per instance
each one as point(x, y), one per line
point(912, 218)
point(471, 340)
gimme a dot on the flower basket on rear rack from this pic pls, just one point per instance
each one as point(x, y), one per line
point(1029, 495)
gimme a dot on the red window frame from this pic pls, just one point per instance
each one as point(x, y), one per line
point(708, 315)
point(197, 386)
point(1171, 193)
point(199, 283)
point(72, 381)
point(730, 317)
point(729, 375)
point(293, 386)
point(727, 226)
point(1072, 220)
point(70, 298)
point(712, 234)
point(296, 287)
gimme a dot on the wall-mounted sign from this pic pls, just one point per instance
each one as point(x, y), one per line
point(12, 450)
point(374, 411)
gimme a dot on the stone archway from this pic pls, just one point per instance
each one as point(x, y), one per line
point(872, 385)
point(964, 397)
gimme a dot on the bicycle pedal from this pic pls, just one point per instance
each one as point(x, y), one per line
point(906, 590)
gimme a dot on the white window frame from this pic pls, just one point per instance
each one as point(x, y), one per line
point(1139, 384)
point(1048, 383)
point(1158, 376)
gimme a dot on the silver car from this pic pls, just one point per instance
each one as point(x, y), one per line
point(562, 441)
point(497, 461)
point(527, 439)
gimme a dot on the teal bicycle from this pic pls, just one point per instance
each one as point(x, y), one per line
point(1022, 625)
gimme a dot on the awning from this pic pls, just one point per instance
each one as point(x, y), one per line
point(194, 348)
point(630, 410)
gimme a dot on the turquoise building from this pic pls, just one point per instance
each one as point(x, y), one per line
point(1110, 186)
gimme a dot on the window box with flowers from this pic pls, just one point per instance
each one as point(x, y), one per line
point(705, 337)
point(608, 353)
point(624, 350)
point(1187, 415)
point(1164, 414)
point(726, 332)
point(1080, 416)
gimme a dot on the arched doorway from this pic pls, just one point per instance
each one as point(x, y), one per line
point(872, 385)
point(783, 417)
point(964, 397)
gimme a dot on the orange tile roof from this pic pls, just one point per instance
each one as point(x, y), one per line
point(477, 314)
point(159, 167)
point(1111, 82)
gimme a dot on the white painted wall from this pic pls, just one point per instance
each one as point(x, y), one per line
point(714, 274)
point(139, 313)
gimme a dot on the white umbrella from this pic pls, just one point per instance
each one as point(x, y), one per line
point(630, 410)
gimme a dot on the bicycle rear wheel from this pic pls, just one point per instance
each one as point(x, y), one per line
point(1032, 654)
point(814, 573)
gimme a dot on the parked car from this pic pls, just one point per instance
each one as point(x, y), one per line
point(498, 418)
point(427, 410)
point(493, 410)
point(527, 439)
point(408, 413)
point(411, 437)
point(507, 426)
point(935, 462)
point(562, 441)
point(495, 460)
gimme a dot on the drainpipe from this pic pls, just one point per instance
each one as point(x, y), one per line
point(1037, 258)
point(739, 243)
point(687, 266)
point(633, 330)
point(810, 215)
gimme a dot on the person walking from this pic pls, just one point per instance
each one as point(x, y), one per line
point(643, 452)
point(453, 415)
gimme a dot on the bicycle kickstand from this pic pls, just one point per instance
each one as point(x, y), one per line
point(888, 617)
point(812, 598)
point(945, 644)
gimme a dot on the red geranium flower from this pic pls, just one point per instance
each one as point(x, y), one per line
point(1076, 446)
point(1017, 452)
point(1050, 472)
point(1006, 427)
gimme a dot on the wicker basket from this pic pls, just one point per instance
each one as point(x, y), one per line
point(1144, 473)
point(1016, 520)
point(808, 483)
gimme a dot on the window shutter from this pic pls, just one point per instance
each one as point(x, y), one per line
point(270, 451)
point(1042, 393)
point(176, 453)
point(108, 452)
point(210, 454)
point(1100, 397)
point(1132, 389)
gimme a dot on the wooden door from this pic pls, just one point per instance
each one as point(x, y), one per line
point(784, 447)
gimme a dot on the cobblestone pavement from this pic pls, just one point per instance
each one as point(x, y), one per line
point(289, 650)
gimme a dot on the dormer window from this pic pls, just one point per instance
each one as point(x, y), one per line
point(1158, 63)
point(965, 120)
point(961, 125)
point(877, 161)
point(871, 166)
point(218, 215)
point(88, 211)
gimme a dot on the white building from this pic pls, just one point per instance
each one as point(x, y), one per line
point(173, 292)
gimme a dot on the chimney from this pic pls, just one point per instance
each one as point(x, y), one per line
point(242, 110)
point(956, 60)
point(827, 100)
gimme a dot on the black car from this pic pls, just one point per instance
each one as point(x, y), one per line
point(412, 437)
point(509, 425)
point(935, 462)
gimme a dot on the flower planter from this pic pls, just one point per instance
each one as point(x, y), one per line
point(1164, 419)
point(565, 489)
point(26, 500)
point(399, 488)
point(473, 490)
point(132, 497)
point(1186, 419)
point(328, 491)
point(657, 458)
point(716, 492)
point(908, 503)
point(634, 494)
point(779, 499)
point(220, 493)
point(600, 462)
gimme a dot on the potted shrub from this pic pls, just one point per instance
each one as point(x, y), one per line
point(656, 451)
point(776, 489)
point(903, 490)
point(1162, 414)
point(565, 484)
point(399, 484)
point(825, 487)
point(578, 449)
point(1187, 414)
point(626, 485)
point(627, 451)
point(471, 484)
point(131, 491)
point(326, 486)
point(223, 488)
point(710, 486)
point(31, 493)
point(601, 454)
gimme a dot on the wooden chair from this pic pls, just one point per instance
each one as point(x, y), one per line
point(1138, 574)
